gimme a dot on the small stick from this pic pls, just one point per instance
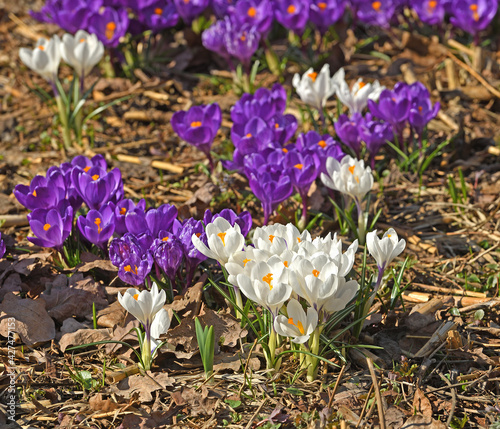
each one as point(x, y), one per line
point(365, 405)
point(451, 74)
point(453, 397)
point(378, 396)
point(337, 384)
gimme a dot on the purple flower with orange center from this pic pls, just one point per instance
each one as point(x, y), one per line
point(51, 227)
point(136, 268)
point(242, 42)
point(375, 134)
point(96, 186)
point(152, 222)
point(323, 146)
point(430, 11)
point(214, 37)
point(324, 13)
point(347, 130)
point(42, 192)
point(121, 248)
point(98, 226)
point(292, 14)
point(198, 126)
point(254, 13)
point(159, 15)
point(265, 104)
point(283, 128)
point(168, 255)
point(122, 208)
point(376, 12)
point(190, 9)
point(473, 16)
point(109, 25)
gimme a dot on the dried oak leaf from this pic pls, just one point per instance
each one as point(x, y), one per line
point(188, 304)
point(155, 421)
point(75, 299)
point(112, 315)
point(83, 336)
point(421, 404)
point(417, 422)
point(97, 403)
point(234, 362)
point(143, 385)
point(28, 262)
point(32, 322)
point(198, 402)
point(11, 284)
point(91, 262)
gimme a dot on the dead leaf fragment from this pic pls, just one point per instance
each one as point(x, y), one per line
point(32, 321)
point(143, 385)
point(421, 404)
point(417, 422)
point(83, 336)
point(198, 402)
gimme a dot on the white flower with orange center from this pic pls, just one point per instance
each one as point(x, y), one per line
point(266, 285)
point(298, 326)
point(315, 88)
point(278, 238)
point(45, 58)
point(82, 51)
point(385, 249)
point(350, 176)
point(356, 98)
point(223, 240)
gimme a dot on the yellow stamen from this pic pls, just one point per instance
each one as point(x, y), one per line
point(95, 177)
point(322, 144)
point(298, 239)
point(389, 235)
point(285, 150)
point(356, 178)
point(164, 239)
point(195, 124)
point(123, 211)
point(268, 278)
point(222, 235)
point(291, 9)
point(246, 261)
point(83, 40)
point(322, 5)
point(129, 269)
point(351, 169)
point(42, 48)
point(110, 30)
point(34, 193)
point(474, 8)
point(158, 11)
point(313, 76)
point(432, 5)
point(299, 166)
point(249, 135)
point(376, 5)
point(252, 12)
point(97, 221)
point(276, 125)
point(315, 273)
point(271, 238)
point(87, 168)
point(46, 226)
point(136, 296)
point(285, 263)
point(299, 325)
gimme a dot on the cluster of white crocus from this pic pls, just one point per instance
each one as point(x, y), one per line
point(352, 178)
point(81, 51)
point(315, 88)
point(147, 307)
point(283, 263)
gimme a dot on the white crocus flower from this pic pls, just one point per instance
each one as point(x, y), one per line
point(82, 51)
point(298, 326)
point(45, 58)
point(223, 240)
point(147, 307)
point(264, 238)
point(243, 261)
point(356, 99)
point(315, 88)
point(384, 249)
point(266, 285)
point(350, 176)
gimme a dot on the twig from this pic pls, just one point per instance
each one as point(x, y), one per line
point(453, 397)
point(255, 414)
point(364, 406)
point(337, 384)
point(378, 396)
point(246, 367)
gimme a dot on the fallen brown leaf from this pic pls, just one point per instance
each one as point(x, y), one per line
point(143, 385)
point(199, 402)
point(421, 404)
point(83, 336)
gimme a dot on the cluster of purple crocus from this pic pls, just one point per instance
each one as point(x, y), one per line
point(56, 197)
point(156, 242)
point(243, 23)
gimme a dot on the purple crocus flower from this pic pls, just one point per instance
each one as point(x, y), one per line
point(254, 13)
point(430, 12)
point(190, 9)
point(153, 221)
point(168, 255)
point(159, 15)
point(270, 185)
point(251, 136)
point(121, 210)
point(347, 130)
point(214, 37)
point(198, 126)
point(98, 225)
point(2, 246)
point(473, 15)
point(375, 134)
point(121, 248)
point(220, 7)
point(42, 192)
point(421, 110)
point(283, 128)
point(51, 227)
point(376, 12)
point(323, 146)
point(292, 14)
point(242, 42)
point(193, 257)
point(135, 268)
point(243, 220)
point(324, 13)
point(109, 25)
point(393, 107)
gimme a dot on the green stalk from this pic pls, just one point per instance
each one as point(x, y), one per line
point(312, 369)
point(79, 115)
point(272, 349)
point(146, 353)
point(64, 122)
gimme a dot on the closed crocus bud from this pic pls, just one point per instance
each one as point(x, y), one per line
point(349, 177)
point(315, 88)
point(82, 51)
point(384, 249)
point(298, 326)
point(160, 326)
point(223, 240)
point(98, 225)
point(45, 58)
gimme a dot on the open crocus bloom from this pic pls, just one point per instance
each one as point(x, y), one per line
point(82, 51)
point(45, 58)
point(315, 88)
point(298, 325)
point(384, 249)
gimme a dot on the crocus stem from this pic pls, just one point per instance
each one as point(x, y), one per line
point(210, 162)
point(77, 91)
point(303, 218)
point(64, 122)
point(322, 116)
point(312, 369)
point(361, 223)
point(146, 351)
point(239, 302)
point(272, 348)
point(370, 300)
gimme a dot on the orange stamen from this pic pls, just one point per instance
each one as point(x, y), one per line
point(313, 76)
point(271, 238)
point(299, 166)
point(97, 221)
point(34, 193)
point(299, 325)
point(164, 239)
point(315, 273)
point(322, 144)
point(158, 11)
point(95, 177)
point(291, 9)
point(268, 278)
point(351, 169)
point(87, 168)
point(222, 235)
point(248, 135)
point(46, 226)
point(195, 124)
point(322, 5)
point(110, 30)
point(376, 5)
point(123, 211)
point(246, 261)
point(252, 12)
